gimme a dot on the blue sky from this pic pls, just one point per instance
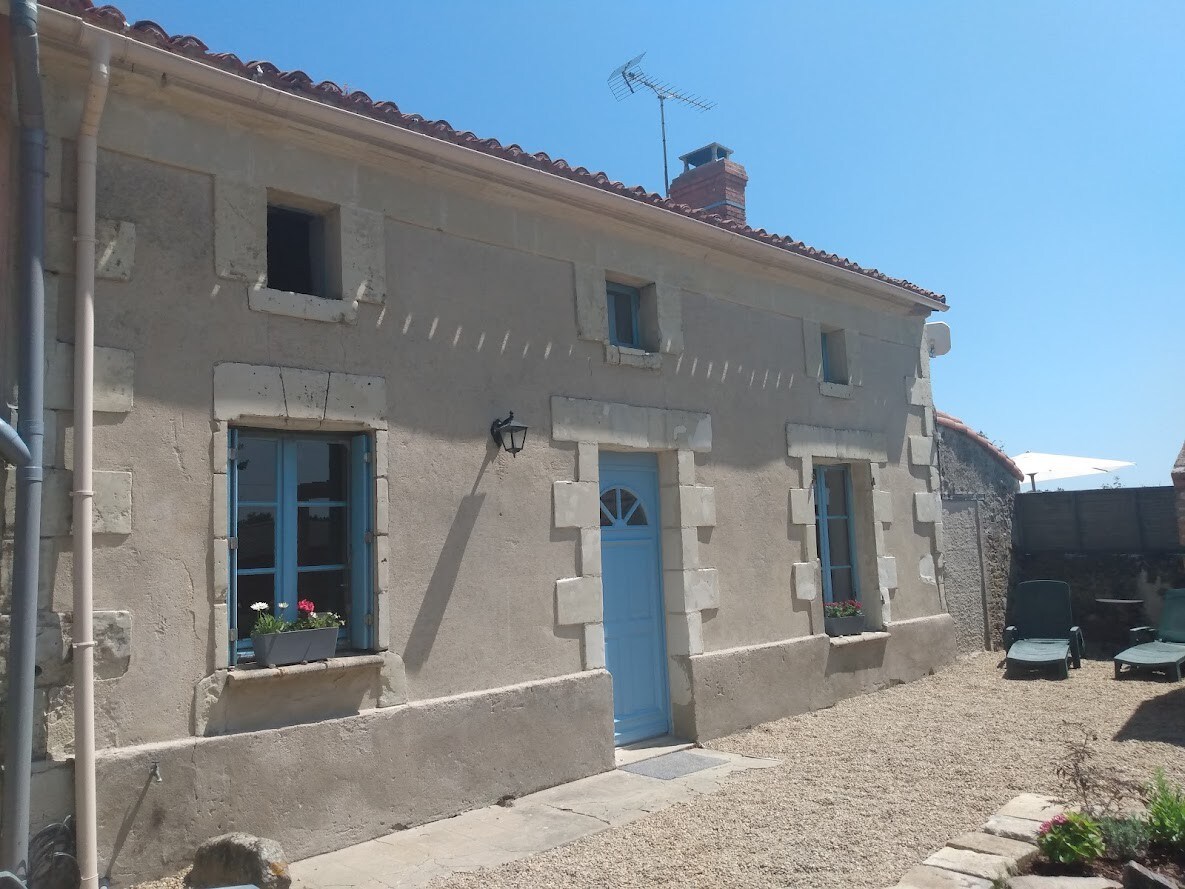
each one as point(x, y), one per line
point(1026, 159)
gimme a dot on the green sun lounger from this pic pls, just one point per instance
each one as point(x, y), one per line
point(1042, 632)
point(1161, 649)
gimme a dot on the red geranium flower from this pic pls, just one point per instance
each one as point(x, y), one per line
point(306, 606)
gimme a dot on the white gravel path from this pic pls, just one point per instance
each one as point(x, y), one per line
point(868, 788)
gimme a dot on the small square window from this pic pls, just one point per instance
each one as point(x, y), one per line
point(624, 309)
point(296, 251)
point(835, 357)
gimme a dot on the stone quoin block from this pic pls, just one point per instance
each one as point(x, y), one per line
point(692, 589)
point(578, 600)
point(886, 572)
point(812, 348)
point(592, 308)
point(855, 355)
point(577, 504)
point(240, 231)
point(805, 576)
point(668, 301)
point(918, 392)
point(802, 506)
point(882, 506)
point(593, 646)
point(115, 249)
point(588, 462)
point(590, 551)
point(680, 548)
point(629, 425)
point(921, 450)
point(927, 507)
point(363, 255)
point(696, 505)
point(685, 634)
point(114, 378)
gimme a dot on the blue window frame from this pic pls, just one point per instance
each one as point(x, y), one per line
point(624, 307)
point(835, 359)
point(836, 533)
point(300, 517)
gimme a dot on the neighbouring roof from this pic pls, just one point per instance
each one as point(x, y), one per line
point(979, 438)
point(329, 93)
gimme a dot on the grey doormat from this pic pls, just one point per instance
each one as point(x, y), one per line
point(674, 765)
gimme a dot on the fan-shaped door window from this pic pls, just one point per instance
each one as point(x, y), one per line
point(620, 508)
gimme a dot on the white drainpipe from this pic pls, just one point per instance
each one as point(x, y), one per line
point(85, 806)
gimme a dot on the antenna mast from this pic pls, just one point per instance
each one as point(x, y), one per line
point(629, 78)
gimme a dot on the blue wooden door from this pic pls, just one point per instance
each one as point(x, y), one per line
point(635, 643)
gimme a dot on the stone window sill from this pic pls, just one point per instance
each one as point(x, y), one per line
point(628, 357)
point(877, 636)
point(255, 672)
point(835, 390)
point(301, 305)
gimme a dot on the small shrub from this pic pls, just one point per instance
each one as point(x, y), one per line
point(849, 608)
point(1073, 839)
point(1099, 790)
point(1126, 839)
point(1166, 813)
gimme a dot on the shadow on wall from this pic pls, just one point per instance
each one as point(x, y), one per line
point(1161, 719)
point(444, 575)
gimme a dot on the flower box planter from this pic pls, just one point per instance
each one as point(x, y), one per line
point(295, 647)
point(844, 626)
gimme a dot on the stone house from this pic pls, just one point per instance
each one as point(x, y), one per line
point(310, 307)
point(979, 484)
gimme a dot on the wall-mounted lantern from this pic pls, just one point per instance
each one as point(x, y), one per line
point(509, 434)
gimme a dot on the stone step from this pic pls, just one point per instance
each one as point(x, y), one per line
point(1023, 829)
point(923, 877)
point(1034, 882)
point(990, 844)
point(973, 864)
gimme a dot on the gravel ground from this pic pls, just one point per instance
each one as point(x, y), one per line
point(871, 786)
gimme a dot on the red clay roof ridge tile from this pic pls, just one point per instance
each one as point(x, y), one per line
point(982, 440)
point(330, 93)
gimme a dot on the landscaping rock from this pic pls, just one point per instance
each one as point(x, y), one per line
point(1136, 876)
point(922, 877)
point(974, 864)
point(1033, 807)
point(1032, 882)
point(238, 859)
point(1014, 850)
point(1023, 829)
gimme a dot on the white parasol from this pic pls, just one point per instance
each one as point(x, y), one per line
point(1049, 467)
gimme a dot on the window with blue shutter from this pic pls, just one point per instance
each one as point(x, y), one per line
point(836, 533)
point(301, 508)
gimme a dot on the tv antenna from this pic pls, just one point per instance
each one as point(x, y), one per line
point(629, 78)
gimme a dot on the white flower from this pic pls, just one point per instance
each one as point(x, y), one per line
point(259, 606)
point(281, 605)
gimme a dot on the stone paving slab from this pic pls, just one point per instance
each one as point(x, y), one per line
point(974, 864)
point(1034, 882)
point(923, 877)
point(1023, 829)
point(1033, 807)
point(1021, 853)
point(498, 834)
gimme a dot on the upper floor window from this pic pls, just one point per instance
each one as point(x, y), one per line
point(296, 241)
point(300, 513)
point(835, 357)
point(625, 327)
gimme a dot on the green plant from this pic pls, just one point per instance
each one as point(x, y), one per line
point(267, 623)
point(848, 608)
point(1126, 839)
point(1166, 813)
point(1072, 838)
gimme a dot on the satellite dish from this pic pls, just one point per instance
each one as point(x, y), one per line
point(937, 336)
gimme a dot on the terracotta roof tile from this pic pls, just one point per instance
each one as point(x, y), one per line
point(959, 426)
point(298, 82)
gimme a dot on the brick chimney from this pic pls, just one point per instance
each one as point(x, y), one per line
point(711, 182)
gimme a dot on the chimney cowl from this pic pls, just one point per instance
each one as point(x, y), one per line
point(711, 182)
